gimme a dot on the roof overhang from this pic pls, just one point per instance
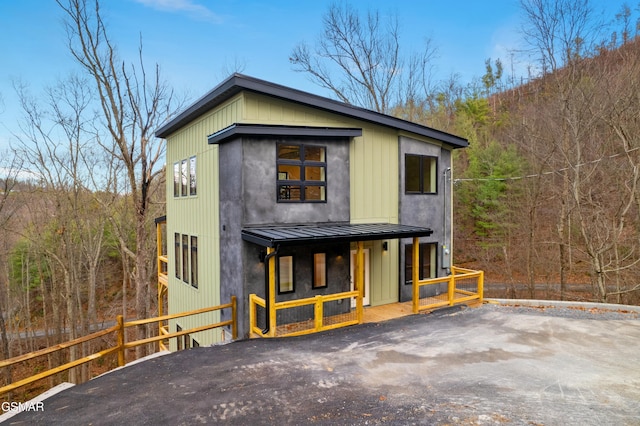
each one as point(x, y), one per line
point(236, 83)
point(240, 129)
point(292, 235)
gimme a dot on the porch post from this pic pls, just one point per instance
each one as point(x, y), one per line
point(360, 280)
point(272, 292)
point(415, 274)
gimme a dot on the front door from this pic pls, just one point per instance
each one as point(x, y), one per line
point(367, 292)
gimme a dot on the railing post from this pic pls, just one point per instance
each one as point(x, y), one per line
point(415, 276)
point(120, 322)
point(451, 290)
point(481, 286)
point(359, 281)
point(318, 312)
point(272, 293)
point(234, 317)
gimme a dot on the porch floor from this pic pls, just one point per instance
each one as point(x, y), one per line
point(387, 312)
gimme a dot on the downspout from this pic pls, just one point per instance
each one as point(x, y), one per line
point(267, 299)
point(446, 249)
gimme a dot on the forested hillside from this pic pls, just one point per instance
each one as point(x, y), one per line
point(548, 191)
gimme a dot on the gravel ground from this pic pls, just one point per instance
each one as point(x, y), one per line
point(571, 310)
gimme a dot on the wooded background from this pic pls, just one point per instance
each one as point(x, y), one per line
point(547, 196)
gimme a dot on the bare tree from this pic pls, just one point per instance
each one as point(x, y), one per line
point(362, 63)
point(560, 31)
point(133, 104)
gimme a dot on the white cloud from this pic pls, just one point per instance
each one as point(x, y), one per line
point(188, 7)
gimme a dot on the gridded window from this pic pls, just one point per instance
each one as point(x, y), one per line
point(420, 173)
point(426, 262)
point(302, 171)
point(184, 178)
point(319, 270)
point(285, 274)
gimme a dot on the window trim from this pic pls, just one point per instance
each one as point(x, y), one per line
point(193, 177)
point(177, 248)
point(421, 173)
point(314, 284)
point(292, 270)
point(193, 248)
point(408, 256)
point(284, 186)
point(185, 259)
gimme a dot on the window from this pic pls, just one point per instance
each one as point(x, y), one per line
point(426, 260)
point(285, 274)
point(184, 178)
point(177, 255)
point(420, 174)
point(194, 262)
point(192, 176)
point(176, 179)
point(319, 270)
point(179, 338)
point(301, 173)
point(185, 258)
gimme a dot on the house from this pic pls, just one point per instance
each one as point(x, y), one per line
point(277, 195)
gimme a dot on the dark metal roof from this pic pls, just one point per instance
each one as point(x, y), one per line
point(238, 82)
point(271, 236)
point(240, 129)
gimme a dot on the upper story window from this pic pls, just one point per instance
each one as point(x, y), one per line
point(420, 173)
point(302, 173)
point(184, 178)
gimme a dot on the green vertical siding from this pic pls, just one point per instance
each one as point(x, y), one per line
point(198, 216)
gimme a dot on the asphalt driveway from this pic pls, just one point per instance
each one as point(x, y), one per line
point(485, 365)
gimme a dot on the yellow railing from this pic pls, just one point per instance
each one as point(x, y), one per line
point(318, 322)
point(121, 346)
point(463, 285)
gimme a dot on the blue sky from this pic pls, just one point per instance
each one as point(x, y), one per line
point(194, 41)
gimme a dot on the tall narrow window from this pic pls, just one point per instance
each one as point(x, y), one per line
point(177, 255)
point(319, 270)
point(176, 179)
point(179, 339)
point(184, 178)
point(194, 262)
point(420, 174)
point(185, 258)
point(285, 274)
point(426, 262)
point(301, 173)
point(192, 176)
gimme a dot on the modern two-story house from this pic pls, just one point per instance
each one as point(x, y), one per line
point(285, 195)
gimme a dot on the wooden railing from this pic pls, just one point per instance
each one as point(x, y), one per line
point(319, 321)
point(121, 346)
point(463, 285)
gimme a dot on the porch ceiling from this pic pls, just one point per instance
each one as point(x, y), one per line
point(291, 235)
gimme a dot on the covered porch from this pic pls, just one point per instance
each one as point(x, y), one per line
point(269, 317)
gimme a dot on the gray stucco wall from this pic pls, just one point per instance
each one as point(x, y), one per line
point(248, 197)
point(425, 209)
point(259, 192)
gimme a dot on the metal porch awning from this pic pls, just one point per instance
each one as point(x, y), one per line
point(291, 235)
